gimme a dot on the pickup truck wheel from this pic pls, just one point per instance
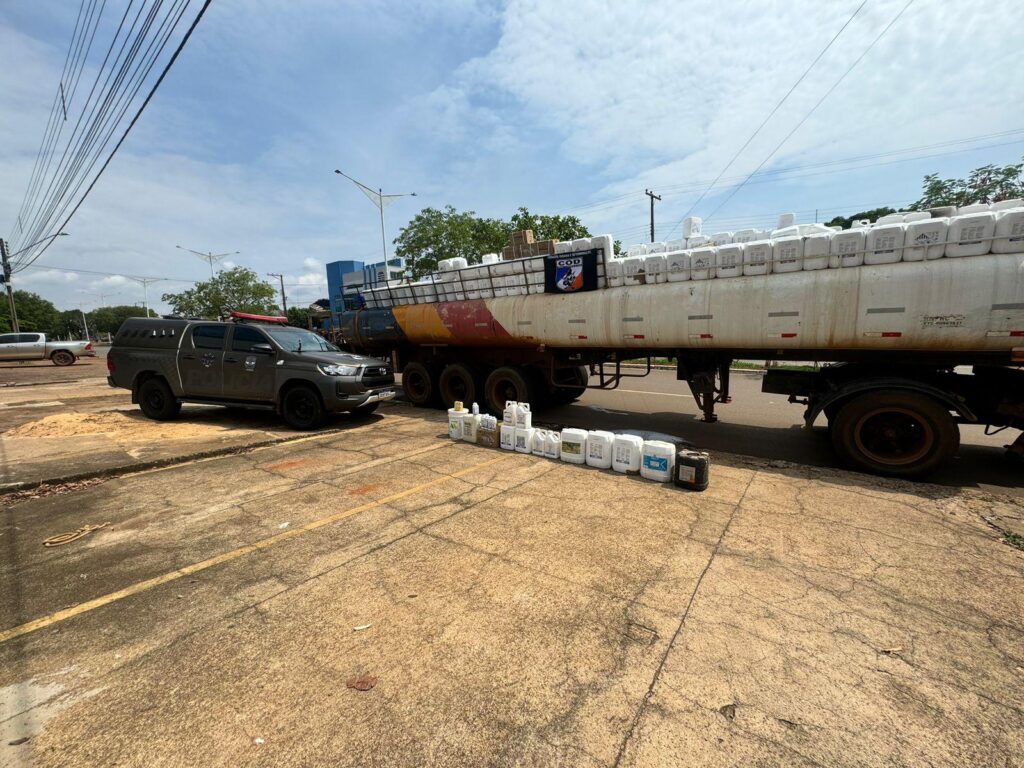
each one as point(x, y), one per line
point(418, 385)
point(895, 433)
point(157, 401)
point(458, 382)
point(508, 383)
point(302, 409)
point(62, 357)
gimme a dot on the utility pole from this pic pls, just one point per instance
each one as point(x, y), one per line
point(284, 299)
point(209, 257)
point(653, 197)
point(85, 323)
point(7, 284)
point(382, 201)
point(145, 281)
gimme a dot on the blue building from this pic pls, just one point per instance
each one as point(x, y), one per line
point(346, 278)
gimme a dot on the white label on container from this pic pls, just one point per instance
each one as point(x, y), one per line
point(885, 244)
point(687, 474)
point(970, 235)
point(657, 463)
point(520, 441)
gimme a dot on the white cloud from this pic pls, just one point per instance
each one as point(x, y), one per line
point(48, 277)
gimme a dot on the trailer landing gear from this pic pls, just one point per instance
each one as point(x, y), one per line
point(708, 377)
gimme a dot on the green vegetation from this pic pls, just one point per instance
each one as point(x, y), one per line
point(34, 313)
point(238, 289)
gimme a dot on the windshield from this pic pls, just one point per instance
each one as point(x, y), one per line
point(298, 340)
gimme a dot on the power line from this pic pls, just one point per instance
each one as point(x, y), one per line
point(74, 270)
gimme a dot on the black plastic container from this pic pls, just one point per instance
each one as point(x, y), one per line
point(693, 469)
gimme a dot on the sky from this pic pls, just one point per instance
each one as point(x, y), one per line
point(573, 107)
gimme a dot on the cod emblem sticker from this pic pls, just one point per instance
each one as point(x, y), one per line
point(569, 274)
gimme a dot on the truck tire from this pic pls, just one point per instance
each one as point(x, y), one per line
point(895, 433)
point(564, 395)
point(62, 357)
point(458, 382)
point(302, 409)
point(419, 385)
point(156, 401)
point(508, 383)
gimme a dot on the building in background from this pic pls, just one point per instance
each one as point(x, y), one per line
point(346, 278)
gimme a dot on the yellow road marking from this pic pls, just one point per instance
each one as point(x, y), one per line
point(188, 570)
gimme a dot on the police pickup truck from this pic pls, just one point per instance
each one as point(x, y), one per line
point(250, 361)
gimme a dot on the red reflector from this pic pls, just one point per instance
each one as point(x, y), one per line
point(110, 365)
point(707, 336)
point(891, 334)
point(88, 346)
point(788, 335)
point(1017, 333)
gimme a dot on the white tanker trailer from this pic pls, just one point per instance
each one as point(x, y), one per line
point(928, 336)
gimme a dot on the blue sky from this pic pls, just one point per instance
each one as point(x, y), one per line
point(562, 107)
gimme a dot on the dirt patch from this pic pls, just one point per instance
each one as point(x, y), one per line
point(121, 425)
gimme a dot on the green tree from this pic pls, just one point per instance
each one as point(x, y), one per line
point(298, 316)
point(873, 214)
point(987, 184)
point(109, 319)
point(34, 314)
point(238, 289)
point(563, 228)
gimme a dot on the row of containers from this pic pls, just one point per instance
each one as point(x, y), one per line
point(656, 460)
point(973, 230)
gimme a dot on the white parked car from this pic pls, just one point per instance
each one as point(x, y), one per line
point(35, 346)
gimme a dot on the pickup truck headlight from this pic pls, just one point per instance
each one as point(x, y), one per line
point(338, 370)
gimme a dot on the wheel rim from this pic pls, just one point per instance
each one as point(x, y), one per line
point(62, 357)
point(417, 385)
point(303, 407)
point(155, 399)
point(893, 436)
point(458, 388)
point(504, 390)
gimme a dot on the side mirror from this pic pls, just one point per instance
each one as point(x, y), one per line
point(262, 349)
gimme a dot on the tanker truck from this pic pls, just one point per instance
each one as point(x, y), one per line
point(918, 319)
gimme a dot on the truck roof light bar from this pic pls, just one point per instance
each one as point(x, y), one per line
point(244, 317)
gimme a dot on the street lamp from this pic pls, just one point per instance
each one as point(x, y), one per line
point(209, 257)
point(382, 201)
point(145, 282)
point(37, 242)
point(6, 270)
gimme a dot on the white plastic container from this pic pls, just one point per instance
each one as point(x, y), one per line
point(524, 418)
point(697, 241)
point(563, 247)
point(702, 263)
point(910, 218)
point(729, 260)
point(508, 415)
point(656, 268)
point(925, 239)
point(692, 226)
point(632, 268)
point(963, 210)
point(507, 437)
point(757, 256)
point(626, 451)
point(658, 460)
point(721, 238)
point(424, 292)
point(455, 422)
point(470, 426)
point(637, 250)
point(816, 251)
point(889, 218)
point(553, 445)
point(574, 446)
point(599, 448)
point(677, 265)
point(1005, 205)
point(788, 254)
point(613, 273)
point(604, 243)
point(1009, 231)
point(847, 249)
point(745, 236)
point(458, 263)
point(675, 245)
point(524, 439)
point(581, 244)
point(885, 243)
point(656, 248)
point(786, 220)
point(540, 439)
point(490, 258)
point(970, 235)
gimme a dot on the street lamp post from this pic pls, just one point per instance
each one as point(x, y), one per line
point(5, 262)
point(209, 257)
point(145, 281)
point(382, 201)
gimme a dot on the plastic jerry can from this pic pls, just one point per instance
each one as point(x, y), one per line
point(658, 460)
point(729, 260)
point(524, 439)
point(524, 419)
point(626, 450)
point(563, 247)
point(613, 273)
point(677, 264)
point(963, 210)
point(788, 254)
point(581, 244)
point(1009, 231)
point(885, 243)
point(574, 445)
point(786, 220)
point(889, 218)
point(552, 445)
point(722, 238)
point(655, 268)
point(697, 241)
point(540, 437)
point(507, 433)
point(692, 470)
point(656, 248)
point(1005, 205)
point(692, 226)
point(745, 236)
point(606, 244)
point(847, 249)
point(455, 421)
point(470, 426)
point(816, 251)
point(632, 268)
point(599, 448)
point(910, 218)
point(925, 239)
point(702, 263)
point(509, 414)
point(970, 235)
point(757, 256)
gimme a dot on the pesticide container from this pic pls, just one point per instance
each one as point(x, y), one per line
point(655, 269)
point(656, 248)
point(524, 439)
point(691, 226)
point(658, 460)
point(788, 254)
point(757, 256)
point(722, 238)
point(677, 264)
point(487, 432)
point(1005, 205)
point(970, 235)
point(632, 269)
point(729, 260)
point(889, 218)
point(912, 216)
point(599, 448)
point(424, 292)
point(581, 244)
point(963, 210)
point(745, 236)
point(540, 437)
point(613, 273)
point(692, 470)
point(847, 249)
point(524, 419)
point(637, 250)
point(816, 251)
point(574, 446)
point(455, 421)
point(793, 231)
point(702, 263)
point(698, 241)
point(561, 248)
point(553, 445)
point(786, 220)
point(925, 239)
point(509, 414)
point(470, 426)
point(885, 243)
point(604, 243)
point(1009, 231)
point(507, 436)
point(626, 450)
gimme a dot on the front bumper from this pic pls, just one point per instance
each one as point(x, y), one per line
point(343, 401)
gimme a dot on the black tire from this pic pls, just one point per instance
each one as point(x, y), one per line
point(419, 385)
point(895, 433)
point(156, 401)
point(458, 382)
point(302, 408)
point(508, 383)
point(62, 357)
point(564, 395)
point(364, 410)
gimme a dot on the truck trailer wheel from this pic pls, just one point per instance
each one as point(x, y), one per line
point(508, 383)
point(895, 433)
point(62, 357)
point(563, 395)
point(302, 409)
point(458, 382)
point(157, 401)
point(418, 385)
